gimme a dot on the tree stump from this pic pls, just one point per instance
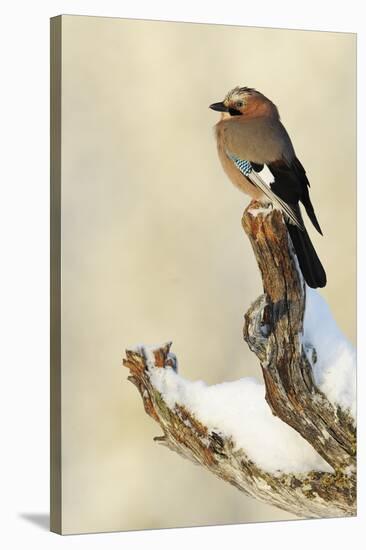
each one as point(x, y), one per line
point(273, 329)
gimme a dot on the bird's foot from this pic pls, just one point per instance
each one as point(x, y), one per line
point(267, 204)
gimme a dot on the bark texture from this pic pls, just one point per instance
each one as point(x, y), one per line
point(273, 327)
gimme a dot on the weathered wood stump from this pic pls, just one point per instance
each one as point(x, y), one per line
point(273, 329)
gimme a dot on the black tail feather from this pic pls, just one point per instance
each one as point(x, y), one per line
point(310, 210)
point(310, 265)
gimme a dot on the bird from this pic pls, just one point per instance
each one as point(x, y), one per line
point(257, 155)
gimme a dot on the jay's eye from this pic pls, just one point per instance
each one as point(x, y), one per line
point(239, 103)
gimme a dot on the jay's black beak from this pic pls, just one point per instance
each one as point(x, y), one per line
point(219, 107)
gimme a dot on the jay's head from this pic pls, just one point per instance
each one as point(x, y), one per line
point(245, 101)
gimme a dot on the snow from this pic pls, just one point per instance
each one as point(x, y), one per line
point(238, 410)
point(335, 366)
point(259, 210)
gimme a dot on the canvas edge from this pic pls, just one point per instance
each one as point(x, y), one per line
point(55, 275)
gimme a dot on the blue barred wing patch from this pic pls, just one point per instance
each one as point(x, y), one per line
point(243, 165)
point(246, 169)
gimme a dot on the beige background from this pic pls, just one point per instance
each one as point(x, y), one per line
point(152, 246)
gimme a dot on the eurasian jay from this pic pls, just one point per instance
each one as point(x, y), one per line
point(257, 154)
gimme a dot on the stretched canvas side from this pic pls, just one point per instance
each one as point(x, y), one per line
point(55, 268)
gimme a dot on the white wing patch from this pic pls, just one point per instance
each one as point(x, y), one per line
point(267, 175)
point(262, 180)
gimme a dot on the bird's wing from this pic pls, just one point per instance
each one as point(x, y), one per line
point(292, 185)
point(265, 141)
point(260, 140)
point(245, 167)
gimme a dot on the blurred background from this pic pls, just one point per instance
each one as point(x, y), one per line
point(152, 244)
